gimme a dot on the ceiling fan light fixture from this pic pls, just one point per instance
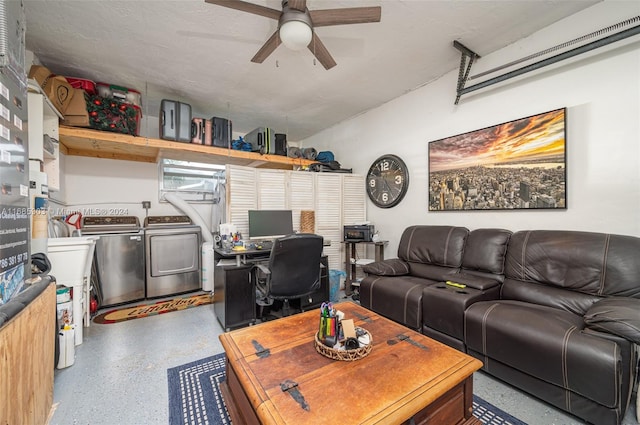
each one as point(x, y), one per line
point(295, 35)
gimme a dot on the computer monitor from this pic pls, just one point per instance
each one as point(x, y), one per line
point(270, 224)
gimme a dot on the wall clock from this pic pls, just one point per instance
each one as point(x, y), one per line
point(387, 181)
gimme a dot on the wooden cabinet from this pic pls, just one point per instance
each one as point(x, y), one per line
point(27, 354)
point(234, 297)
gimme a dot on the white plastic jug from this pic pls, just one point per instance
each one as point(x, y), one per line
point(66, 338)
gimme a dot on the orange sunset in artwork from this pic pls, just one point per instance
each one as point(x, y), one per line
point(516, 165)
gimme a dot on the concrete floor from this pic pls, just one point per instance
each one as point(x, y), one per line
point(120, 373)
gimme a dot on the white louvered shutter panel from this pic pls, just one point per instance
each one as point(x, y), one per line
point(272, 189)
point(329, 214)
point(301, 194)
point(354, 210)
point(354, 205)
point(241, 196)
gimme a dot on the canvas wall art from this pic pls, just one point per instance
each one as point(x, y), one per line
point(516, 165)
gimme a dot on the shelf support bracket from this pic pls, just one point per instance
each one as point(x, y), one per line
point(467, 57)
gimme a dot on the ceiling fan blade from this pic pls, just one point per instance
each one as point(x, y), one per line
point(244, 6)
point(267, 48)
point(320, 52)
point(350, 15)
point(300, 5)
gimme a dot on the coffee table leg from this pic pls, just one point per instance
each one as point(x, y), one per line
point(238, 405)
point(453, 407)
point(234, 414)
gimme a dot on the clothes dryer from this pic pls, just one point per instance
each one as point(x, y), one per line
point(172, 260)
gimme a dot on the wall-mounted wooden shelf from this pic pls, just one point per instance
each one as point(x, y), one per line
point(77, 141)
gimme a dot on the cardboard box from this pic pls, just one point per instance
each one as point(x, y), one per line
point(59, 92)
point(76, 114)
point(40, 74)
point(56, 88)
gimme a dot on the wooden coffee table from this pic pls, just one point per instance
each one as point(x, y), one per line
point(276, 376)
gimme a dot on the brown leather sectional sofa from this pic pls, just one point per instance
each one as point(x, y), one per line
point(555, 313)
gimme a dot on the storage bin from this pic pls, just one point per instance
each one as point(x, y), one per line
point(120, 93)
point(108, 114)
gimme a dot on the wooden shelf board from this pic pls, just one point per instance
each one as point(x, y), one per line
point(101, 144)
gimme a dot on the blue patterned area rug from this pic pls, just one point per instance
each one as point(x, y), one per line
point(195, 399)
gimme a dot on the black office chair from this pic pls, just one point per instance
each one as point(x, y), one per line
point(293, 271)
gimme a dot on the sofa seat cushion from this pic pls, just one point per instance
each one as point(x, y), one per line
point(397, 298)
point(619, 316)
point(546, 343)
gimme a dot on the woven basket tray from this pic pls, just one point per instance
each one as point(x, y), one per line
point(344, 355)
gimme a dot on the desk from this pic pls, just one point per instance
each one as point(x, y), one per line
point(243, 256)
point(234, 294)
point(350, 268)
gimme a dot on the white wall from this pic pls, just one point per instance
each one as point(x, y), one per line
point(113, 187)
point(601, 91)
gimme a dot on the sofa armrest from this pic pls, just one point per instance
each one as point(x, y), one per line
point(390, 267)
point(616, 315)
point(472, 281)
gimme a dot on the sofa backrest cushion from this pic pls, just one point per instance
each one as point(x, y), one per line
point(432, 251)
point(591, 263)
point(485, 250)
point(551, 296)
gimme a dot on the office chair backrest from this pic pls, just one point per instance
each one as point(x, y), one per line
point(295, 265)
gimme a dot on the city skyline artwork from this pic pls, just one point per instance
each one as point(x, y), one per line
point(520, 164)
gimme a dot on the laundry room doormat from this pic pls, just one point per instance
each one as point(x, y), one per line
point(144, 310)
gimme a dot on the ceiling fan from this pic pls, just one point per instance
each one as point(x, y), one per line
point(296, 25)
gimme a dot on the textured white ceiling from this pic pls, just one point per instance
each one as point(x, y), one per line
point(200, 53)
